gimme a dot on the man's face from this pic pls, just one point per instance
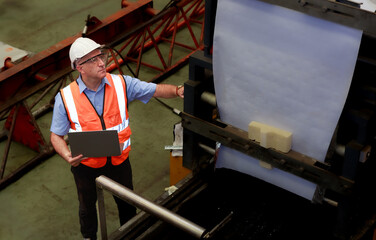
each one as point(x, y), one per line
point(93, 64)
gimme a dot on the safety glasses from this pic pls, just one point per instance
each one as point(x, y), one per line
point(103, 56)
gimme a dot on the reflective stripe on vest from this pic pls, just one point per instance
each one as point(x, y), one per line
point(69, 103)
point(83, 116)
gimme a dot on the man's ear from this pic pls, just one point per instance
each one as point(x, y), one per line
point(79, 68)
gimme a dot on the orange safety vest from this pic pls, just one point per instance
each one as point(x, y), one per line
point(83, 116)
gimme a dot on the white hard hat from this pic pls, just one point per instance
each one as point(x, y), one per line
point(80, 47)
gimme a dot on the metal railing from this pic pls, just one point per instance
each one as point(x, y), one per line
point(104, 183)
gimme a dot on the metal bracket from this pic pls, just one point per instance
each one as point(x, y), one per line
point(333, 11)
point(292, 162)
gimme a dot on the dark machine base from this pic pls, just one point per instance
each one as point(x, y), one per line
point(260, 211)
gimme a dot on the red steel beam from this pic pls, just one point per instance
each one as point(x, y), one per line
point(44, 70)
point(15, 81)
point(164, 27)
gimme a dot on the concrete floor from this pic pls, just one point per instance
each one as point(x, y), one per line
point(43, 204)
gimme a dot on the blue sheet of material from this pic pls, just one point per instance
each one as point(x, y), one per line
point(285, 69)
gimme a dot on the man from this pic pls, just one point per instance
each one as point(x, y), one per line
point(98, 100)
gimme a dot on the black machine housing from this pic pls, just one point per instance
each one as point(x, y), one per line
point(233, 205)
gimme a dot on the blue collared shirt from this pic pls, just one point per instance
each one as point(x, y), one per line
point(136, 90)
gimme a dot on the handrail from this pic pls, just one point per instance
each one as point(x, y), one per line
point(142, 203)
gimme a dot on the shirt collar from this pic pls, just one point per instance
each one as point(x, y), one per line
point(82, 86)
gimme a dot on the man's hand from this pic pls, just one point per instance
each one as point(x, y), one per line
point(74, 161)
point(180, 91)
point(62, 149)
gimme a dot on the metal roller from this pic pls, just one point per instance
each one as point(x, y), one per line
point(209, 98)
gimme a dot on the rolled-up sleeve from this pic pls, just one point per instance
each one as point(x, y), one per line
point(60, 124)
point(139, 90)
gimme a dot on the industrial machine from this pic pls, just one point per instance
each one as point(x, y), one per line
point(228, 204)
point(219, 203)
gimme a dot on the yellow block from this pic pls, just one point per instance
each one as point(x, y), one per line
point(270, 137)
point(177, 171)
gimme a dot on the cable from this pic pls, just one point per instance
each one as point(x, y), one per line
point(126, 64)
point(170, 4)
point(174, 110)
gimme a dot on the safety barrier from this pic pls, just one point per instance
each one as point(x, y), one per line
point(104, 183)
